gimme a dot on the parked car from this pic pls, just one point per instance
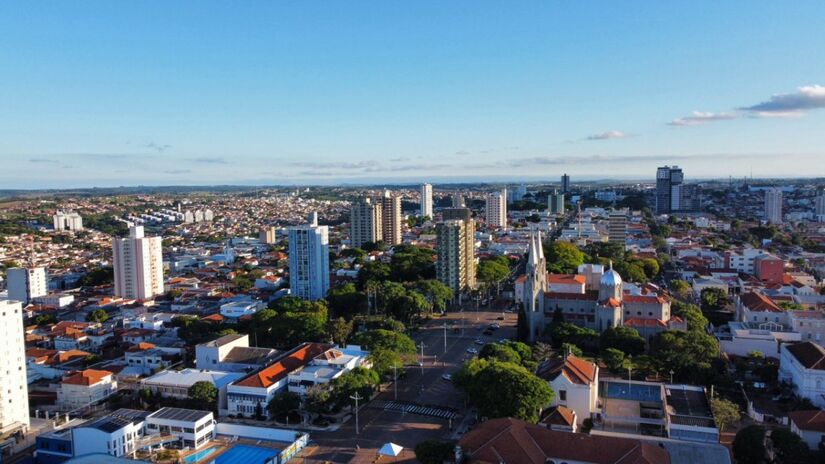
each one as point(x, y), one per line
point(479, 341)
point(472, 350)
point(447, 377)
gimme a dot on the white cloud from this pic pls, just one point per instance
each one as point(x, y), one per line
point(806, 98)
point(614, 134)
point(698, 118)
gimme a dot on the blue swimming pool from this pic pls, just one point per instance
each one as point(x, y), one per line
point(199, 456)
point(635, 392)
point(243, 454)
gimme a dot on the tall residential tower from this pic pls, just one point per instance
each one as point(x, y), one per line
point(455, 265)
point(309, 260)
point(365, 222)
point(138, 265)
point(26, 284)
point(427, 200)
point(496, 209)
point(773, 205)
point(14, 395)
point(391, 218)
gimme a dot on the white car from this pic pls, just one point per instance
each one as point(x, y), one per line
point(447, 377)
point(479, 341)
point(503, 341)
point(472, 350)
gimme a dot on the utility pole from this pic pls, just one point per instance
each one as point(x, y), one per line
point(422, 345)
point(356, 397)
point(445, 338)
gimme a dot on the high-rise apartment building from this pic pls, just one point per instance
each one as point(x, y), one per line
point(672, 195)
point(455, 264)
point(309, 261)
point(555, 202)
point(773, 205)
point(457, 200)
point(391, 218)
point(26, 284)
point(365, 222)
point(517, 193)
point(496, 209)
point(427, 200)
point(67, 221)
point(138, 265)
point(565, 184)
point(14, 395)
point(267, 235)
point(819, 206)
point(617, 226)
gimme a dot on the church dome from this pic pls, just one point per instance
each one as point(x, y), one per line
point(611, 278)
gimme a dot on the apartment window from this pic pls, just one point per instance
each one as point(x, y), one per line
point(562, 395)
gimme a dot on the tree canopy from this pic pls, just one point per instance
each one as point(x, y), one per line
point(504, 389)
point(624, 339)
point(563, 257)
point(204, 394)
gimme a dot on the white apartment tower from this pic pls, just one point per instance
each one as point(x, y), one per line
point(496, 209)
point(427, 200)
point(14, 399)
point(391, 218)
point(24, 284)
point(68, 221)
point(309, 261)
point(773, 205)
point(820, 206)
point(365, 223)
point(138, 265)
point(617, 226)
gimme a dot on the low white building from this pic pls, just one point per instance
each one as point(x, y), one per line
point(324, 368)
point(742, 338)
point(176, 384)
point(115, 434)
point(803, 365)
point(232, 353)
point(194, 428)
point(236, 309)
point(576, 383)
point(810, 426)
point(86, 387)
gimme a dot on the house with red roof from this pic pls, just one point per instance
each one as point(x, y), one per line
point(82, 388)
point(576, 383)
point(803, 365)
point(810, 426)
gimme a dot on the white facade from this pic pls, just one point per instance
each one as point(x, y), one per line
point(819, 204)
point(194, 428)
point(309, 261)
point(773, 205)
point(803, 365)
point(85, 388)
point(496, 209)
point(138, 265)
point(14, 399)
point(427, 200)
point(24, 284)
point(102, 438)
point(67, 221)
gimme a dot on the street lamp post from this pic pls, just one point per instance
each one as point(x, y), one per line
point(395, 381)
point(671, 376)
point(356, 397)
point(422, 345)
point(445, 337)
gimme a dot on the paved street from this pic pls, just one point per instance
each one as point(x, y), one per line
point(378, 426)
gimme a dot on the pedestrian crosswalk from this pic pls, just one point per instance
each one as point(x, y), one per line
point(413, 408)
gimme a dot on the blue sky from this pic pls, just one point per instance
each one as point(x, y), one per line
point(165, 92)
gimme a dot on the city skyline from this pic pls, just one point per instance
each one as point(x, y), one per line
point(104, 95)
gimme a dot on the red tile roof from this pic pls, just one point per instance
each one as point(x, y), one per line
point(559, 415)
point(566, 279)
point(577, 370)
point(87, 377)
point(810, 355)
point(287, 363)
point(759, 302)
point(514, 441)
point(809, 420)
point(644, 299)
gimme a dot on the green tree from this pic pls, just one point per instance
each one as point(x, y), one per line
point(436, 293)
point(433, 451)
point(346, 301)
point(45, 318)
point(614, 359)
point(789, 448)
point(680, 288)
point(340, 330)
point(565, 332)
point(563, 257)
point(98, 315)
point(317, 399)
point(492, 272)
point(691, 313)
point(99, 276)
point(725, 412)
point(410, 263)
point(204, 394)
point(713, 299)
point(283, 403)
point(749, 445)
point(570, 348)
point(383, 361)
point(499, 352)
point(379, 339)
point(360, 380)
point(624, 339)
point(504, 389)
